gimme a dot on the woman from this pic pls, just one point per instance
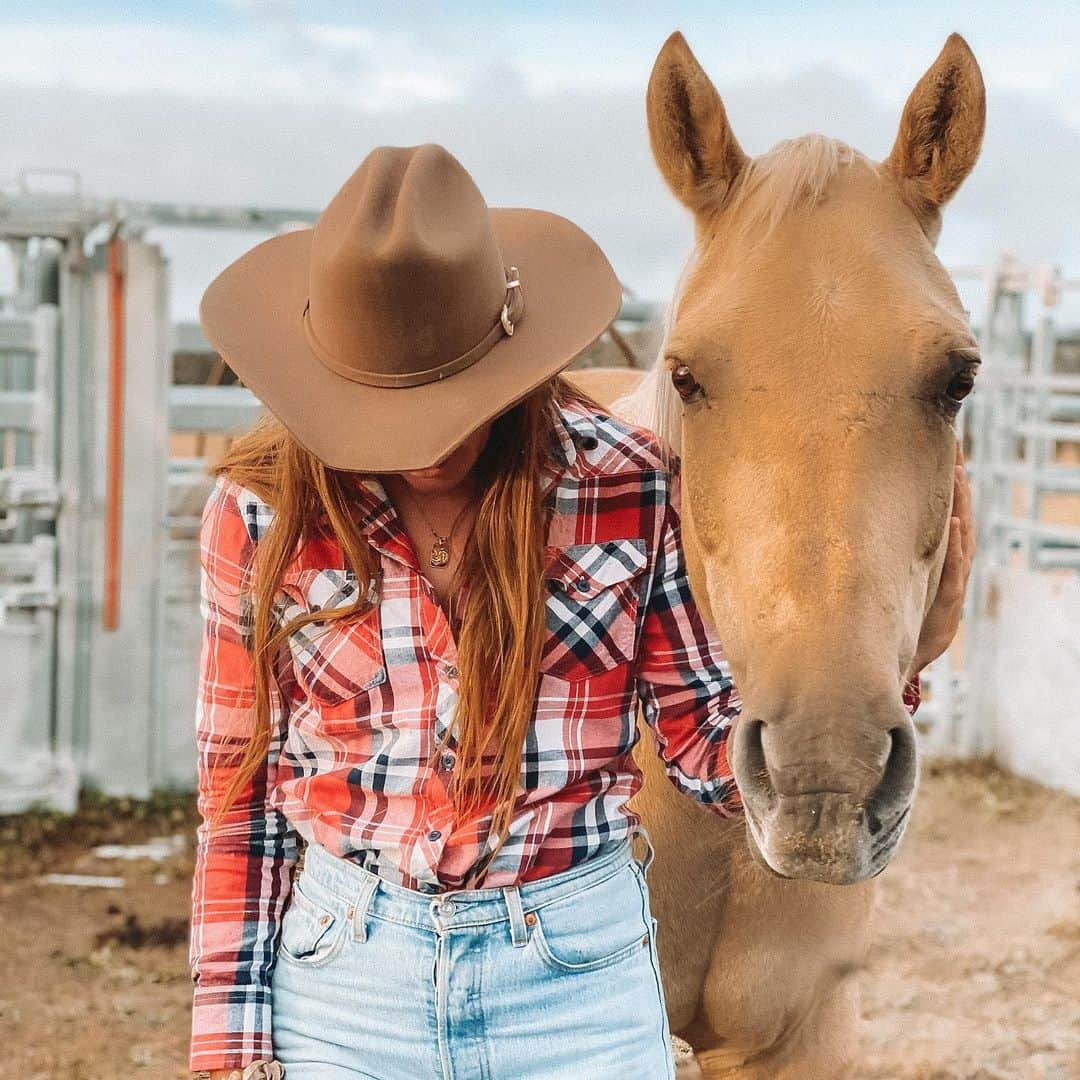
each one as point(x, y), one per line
point(437, 585)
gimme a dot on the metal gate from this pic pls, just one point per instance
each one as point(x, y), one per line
point(99, 618)
point(1011, 687)
point(99, 511)
point(35, 759)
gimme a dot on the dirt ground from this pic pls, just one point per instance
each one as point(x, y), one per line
point(975, 973)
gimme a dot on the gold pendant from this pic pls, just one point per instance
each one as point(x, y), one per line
point(440, 553)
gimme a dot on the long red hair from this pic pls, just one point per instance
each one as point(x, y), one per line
point(500, 575)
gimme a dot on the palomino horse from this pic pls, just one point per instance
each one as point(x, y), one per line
point(815, 357)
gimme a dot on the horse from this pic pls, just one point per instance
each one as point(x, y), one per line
point(814, 357)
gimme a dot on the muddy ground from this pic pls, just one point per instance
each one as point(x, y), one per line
point(975, 973)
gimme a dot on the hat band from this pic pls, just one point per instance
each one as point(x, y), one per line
point(513, 310)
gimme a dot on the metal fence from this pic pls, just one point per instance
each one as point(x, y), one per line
point(99, 510)
point(1011, 686)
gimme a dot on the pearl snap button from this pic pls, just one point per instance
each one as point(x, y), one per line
point(434, 834)
point(583, 582)
point(448, 761)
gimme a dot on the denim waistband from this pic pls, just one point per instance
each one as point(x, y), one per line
point(366, 893)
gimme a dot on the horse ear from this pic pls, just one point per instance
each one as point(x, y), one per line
point(941, 130)
point(692, 141)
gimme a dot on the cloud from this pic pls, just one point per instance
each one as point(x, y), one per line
point(581, 153)
point(277, 57)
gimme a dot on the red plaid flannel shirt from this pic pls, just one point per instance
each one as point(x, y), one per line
point(358, 709)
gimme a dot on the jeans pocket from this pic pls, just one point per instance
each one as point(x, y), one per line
point(312, 929)
point(593, 928)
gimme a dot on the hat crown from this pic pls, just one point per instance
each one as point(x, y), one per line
point(405, 272)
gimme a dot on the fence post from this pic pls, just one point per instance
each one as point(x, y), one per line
point(126, 675)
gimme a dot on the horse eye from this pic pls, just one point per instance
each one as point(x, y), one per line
point(685, 384)
point(959, 387)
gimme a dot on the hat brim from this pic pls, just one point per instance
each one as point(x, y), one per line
point(251, 313)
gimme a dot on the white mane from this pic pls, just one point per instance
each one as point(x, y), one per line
point(653, 403)
point(794, 173)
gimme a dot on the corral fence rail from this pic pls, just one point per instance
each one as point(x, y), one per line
point(110, 414)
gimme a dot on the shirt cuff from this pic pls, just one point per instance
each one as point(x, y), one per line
point(230, 1026)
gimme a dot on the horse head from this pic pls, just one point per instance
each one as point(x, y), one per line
point(815, 359)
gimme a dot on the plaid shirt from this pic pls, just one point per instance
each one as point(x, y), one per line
point(358, 709)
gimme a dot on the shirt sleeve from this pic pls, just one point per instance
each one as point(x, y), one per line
point(688, 697)
point(242, 874)
point(912, 694)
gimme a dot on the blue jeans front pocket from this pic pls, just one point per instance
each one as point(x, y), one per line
point(596, 927)
point(313, 928)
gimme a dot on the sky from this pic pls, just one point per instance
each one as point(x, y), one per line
point(275, 103)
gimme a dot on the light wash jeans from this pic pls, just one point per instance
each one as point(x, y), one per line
point(556, 979)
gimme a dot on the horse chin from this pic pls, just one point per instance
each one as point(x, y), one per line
point(802, 858)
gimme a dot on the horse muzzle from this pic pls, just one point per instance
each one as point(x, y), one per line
point(814, 819)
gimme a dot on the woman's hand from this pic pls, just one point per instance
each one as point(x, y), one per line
point(943, 619)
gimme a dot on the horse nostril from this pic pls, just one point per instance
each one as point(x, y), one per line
point(897, 781)
point(753, 757)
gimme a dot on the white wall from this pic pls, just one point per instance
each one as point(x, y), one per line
point(1037, 715)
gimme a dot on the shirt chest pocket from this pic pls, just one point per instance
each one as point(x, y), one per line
point(594, 592)
point(337, 659)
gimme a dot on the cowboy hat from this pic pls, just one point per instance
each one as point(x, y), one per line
point(410, 314)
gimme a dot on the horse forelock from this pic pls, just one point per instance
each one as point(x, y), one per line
point(794, 173)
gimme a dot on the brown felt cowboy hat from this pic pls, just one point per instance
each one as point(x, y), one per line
point(410, 314)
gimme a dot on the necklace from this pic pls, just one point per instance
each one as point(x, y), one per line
point(440, 549)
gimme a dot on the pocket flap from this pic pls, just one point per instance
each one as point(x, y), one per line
point(327, 588)
point(586, 569)
point(334, 659)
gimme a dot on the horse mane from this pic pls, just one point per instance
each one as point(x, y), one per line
point(653, 403)
point(794, 173)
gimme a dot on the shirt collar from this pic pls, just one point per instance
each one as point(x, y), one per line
point(572, 432)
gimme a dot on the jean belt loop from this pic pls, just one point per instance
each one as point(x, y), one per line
point(519, 935)
point(650, 853)
point(360, 908)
